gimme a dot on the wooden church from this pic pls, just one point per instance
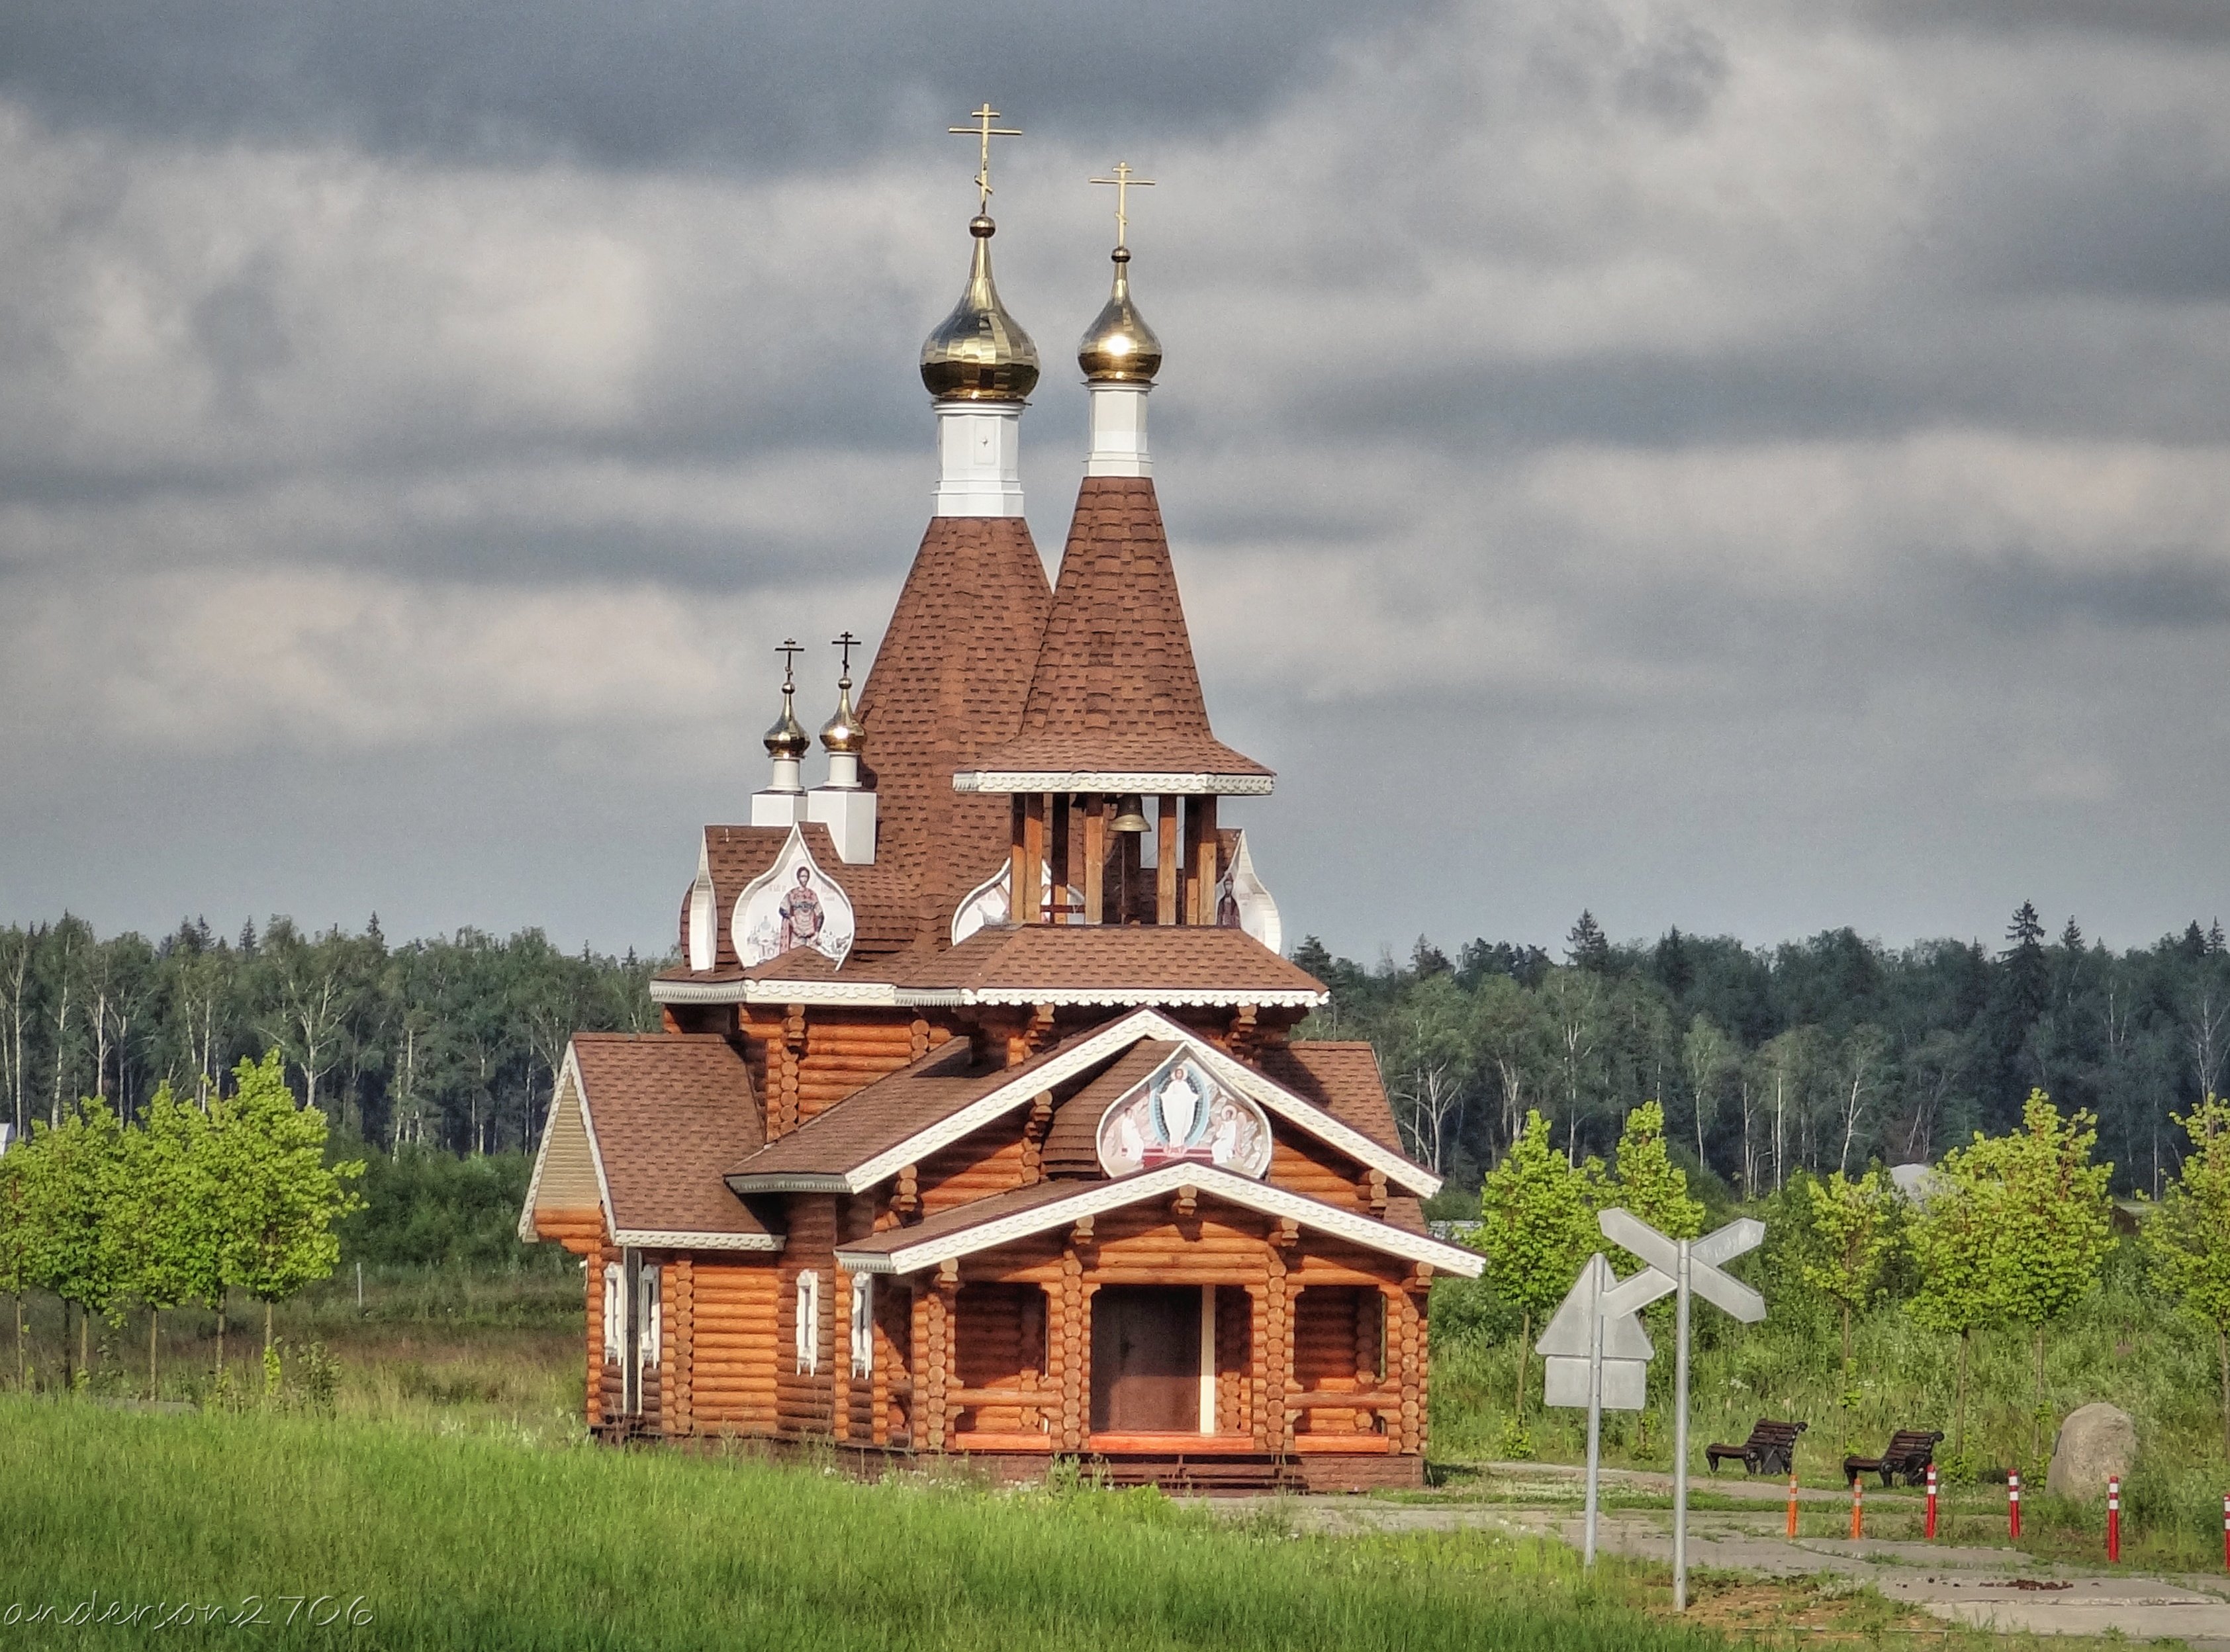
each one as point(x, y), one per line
point(977, 1125)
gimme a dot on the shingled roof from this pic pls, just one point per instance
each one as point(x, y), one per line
point(1115, 689)
point(668, 1111)
point(949, 684)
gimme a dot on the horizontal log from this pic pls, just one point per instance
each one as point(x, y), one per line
point(1018, 1397)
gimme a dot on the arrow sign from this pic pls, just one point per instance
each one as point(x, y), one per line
point(1629, 1232)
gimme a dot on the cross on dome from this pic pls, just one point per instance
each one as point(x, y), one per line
point(1123, 183)
point(984, 132)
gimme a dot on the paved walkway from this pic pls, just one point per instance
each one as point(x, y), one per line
point(1993, 1588)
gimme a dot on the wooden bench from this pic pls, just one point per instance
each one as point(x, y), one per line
point(1770, 1449)
point(1908, 1453)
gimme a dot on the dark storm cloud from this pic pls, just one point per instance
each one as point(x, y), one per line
point(735, 85)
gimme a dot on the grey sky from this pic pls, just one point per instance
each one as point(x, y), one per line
point(1722, 467)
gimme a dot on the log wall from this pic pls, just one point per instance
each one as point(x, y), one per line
point(734, 1338)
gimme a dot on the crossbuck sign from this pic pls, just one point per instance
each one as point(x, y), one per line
point(1596, 1354)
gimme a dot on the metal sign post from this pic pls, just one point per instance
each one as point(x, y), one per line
point(1683, 1265)
point(1595, 1354)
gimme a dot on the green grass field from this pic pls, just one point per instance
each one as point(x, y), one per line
point(469, 1539)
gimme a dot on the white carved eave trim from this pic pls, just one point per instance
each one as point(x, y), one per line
point(1111, 1041)
point(1096, 1197)
point(1026, 780)
point(885, 995)
point(680, 1239)
point(791, 1181)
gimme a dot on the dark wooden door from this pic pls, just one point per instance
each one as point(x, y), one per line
point(1146, 1359)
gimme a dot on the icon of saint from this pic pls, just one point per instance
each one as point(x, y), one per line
point(799, 913)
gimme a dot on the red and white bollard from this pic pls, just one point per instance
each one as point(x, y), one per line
point(1931, 1500)
point(2225, 1531)
point(1858, 1507)
point(2013, 1504)
point(2113, 1519)
point(1792, 1509)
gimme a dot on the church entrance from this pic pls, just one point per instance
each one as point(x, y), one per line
point(1146, 1359)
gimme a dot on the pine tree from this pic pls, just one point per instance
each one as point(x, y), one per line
point(2188, 1241)
point(2025, 970)
point(1535, 1225)
point(2071, 939)
point(1586, 946)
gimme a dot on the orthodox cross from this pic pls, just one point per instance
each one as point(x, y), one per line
point(1124, 183)
point(846, 643)
point(790, 650)
point(984, 132)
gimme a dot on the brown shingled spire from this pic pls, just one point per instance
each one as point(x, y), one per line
point(1115, 688)
point(948, 686)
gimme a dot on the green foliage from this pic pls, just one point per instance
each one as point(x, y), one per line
point(2051, 1228)
point(1646, 1181)
point(423, 1208)
point(167, 1204)
point(2187, 1239)
point(277, 1199)
point(68, 1177)
point(1537, 1224)
point(1856, 1230)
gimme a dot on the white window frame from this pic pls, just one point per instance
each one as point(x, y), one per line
point(647, 1299)
point(615, 1313)
point(808, 1323)
point(863, 1325)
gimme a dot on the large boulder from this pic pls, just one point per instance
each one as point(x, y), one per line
point(2096, 1440)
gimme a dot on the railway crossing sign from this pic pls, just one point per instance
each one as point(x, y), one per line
point(1568, 1347)
point(1681, 1267)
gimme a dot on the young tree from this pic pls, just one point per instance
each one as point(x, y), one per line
point(1953, 1237)
point(15, 1252)
point(2188, 1241)
point(1535, 1225)
point(168, 1207)
point(1855, 1225)
point(279, 1197)
point(2052, 1230)
point(75, 1247)
point(1646, 1181)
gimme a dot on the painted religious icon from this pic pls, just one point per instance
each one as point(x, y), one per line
point(1182, 1112)
point(792, 904)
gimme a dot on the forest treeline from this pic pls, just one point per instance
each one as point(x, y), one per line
point(452, 1043)
point(1820, 1054)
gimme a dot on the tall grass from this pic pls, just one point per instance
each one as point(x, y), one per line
point(471, 1541)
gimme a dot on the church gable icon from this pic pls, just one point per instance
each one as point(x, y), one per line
point(793, 903)
point(1181, 1112)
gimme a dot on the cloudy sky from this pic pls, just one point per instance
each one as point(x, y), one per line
point(1741, 466)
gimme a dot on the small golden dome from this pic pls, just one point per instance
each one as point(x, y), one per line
point(1118, 348)
point(979, 352)
point(787, 738)
point(844, 731)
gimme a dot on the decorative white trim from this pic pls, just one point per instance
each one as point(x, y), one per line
point(862, 1321)
point(805, 1328)
point(1092, 1198)
point(797, 1182)
point(703, 912)
point(568, 1073)
point(1118, 426)
point(1221, 785)
point(1258, 909)
point(886, 995)
point(682, 1239)
point(1110, 1040)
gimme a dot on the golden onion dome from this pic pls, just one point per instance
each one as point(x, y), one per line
point(844, 731)
point(787, 738)
point(979, 352)
point(1118, 348)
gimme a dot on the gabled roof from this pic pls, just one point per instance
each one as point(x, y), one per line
point(1341, 1076)
point(1115, 694)
point(949, 683)
point(662, 1111)
point(1072, 1145)
point(1005, 1217)
point(1001, 964)
point(876, 1130)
